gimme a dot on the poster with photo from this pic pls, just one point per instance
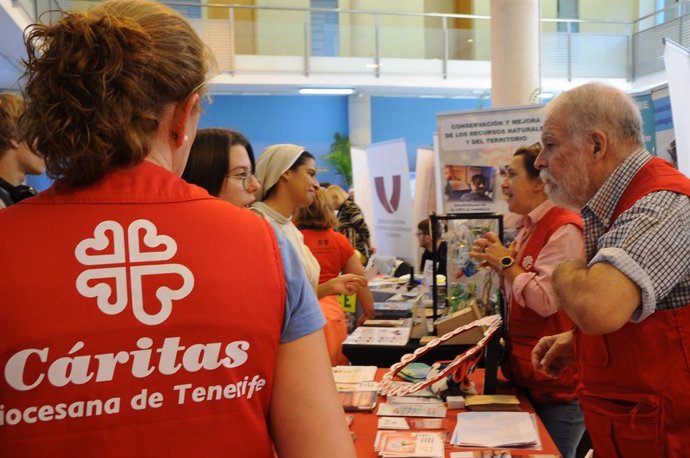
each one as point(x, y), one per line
point(472, 147)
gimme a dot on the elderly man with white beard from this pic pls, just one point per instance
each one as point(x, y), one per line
point(630, 300)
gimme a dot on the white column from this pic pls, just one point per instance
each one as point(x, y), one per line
point(359, 119)
point(515, 52)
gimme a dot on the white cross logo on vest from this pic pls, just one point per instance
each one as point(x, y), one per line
point(527, 262)
point(109, 237)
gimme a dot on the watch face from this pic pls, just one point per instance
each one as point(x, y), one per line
point(507, 261)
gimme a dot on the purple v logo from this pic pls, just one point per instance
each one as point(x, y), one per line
point(392, 205)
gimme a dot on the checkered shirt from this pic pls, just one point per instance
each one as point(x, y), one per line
point(649, 242)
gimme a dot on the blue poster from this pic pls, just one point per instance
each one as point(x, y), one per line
point(646, 106)
point(663, 119)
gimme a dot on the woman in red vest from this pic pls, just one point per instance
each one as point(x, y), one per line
point(335, 255)
point(142, 316)
point(546, 236)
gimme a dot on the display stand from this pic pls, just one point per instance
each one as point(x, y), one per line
point(492, 355)
point(435, 220)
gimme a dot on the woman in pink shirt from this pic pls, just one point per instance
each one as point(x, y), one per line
point(546, 236)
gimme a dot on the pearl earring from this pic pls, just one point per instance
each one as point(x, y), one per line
point(186, 137)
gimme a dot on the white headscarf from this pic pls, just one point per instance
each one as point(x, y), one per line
point(273, 162)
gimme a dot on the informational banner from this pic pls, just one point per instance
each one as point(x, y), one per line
point(677, 62)
point(646, 105)
point(663, 126)
point(473, 146)
point(360, 183)
point(424, 195)
point(389, 180)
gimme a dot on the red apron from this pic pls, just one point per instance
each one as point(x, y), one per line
point(140, 318)
point(635, 382)
point(526, 326)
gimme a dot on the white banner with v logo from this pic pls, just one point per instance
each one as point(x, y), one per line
point(391, 199)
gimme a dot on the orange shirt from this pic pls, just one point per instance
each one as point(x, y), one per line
point(331, 249)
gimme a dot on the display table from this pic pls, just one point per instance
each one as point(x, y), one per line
point(386, 356)
point(364, 426)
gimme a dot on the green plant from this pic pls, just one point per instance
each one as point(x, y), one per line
point(339, 157)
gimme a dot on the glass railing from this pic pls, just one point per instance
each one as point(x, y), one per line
point(647, 47)
point(249, 38)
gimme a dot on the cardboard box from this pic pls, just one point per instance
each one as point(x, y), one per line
point(460, 318)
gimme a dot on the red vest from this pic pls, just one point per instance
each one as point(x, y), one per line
point(526, 326)
point(635, 382)
point(139, 317)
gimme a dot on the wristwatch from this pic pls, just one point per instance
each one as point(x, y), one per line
point(506, 261)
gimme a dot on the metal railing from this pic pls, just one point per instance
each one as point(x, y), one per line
point(647, 47)
point(256, 39)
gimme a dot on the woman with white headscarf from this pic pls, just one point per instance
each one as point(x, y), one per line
point(288, 177)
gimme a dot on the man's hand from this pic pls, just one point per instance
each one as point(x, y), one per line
point(554, 353)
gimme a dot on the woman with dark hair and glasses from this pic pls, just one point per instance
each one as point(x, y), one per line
point(222, 162)
point(546, 236)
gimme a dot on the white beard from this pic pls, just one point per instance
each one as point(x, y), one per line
point(571, 192)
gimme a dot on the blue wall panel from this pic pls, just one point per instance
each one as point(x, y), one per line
point(309, 121)
point(411, 118)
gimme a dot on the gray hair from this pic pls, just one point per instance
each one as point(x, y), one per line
point(599, 106)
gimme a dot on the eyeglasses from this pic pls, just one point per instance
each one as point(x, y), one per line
point(246, 178)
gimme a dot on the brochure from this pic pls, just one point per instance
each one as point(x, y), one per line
point(354, 374)
point(411, 410)
point(361, 386)
point(397, 337)
point(425, 423)
point(495, 429)
point(390, 444)
point(355, 401)
point(393, 423)
point(492, 403)
point(385, 323)
point(410, 423)
point(414, 400)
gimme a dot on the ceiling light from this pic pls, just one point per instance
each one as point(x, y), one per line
point(326, 91)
